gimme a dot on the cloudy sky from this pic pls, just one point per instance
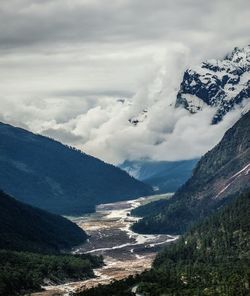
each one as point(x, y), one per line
point(67, 65)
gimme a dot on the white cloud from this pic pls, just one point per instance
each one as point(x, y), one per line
point(64, 64)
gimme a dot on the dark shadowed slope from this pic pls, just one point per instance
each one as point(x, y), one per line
point(49, 175)
point(220, 174)
point(23, 227)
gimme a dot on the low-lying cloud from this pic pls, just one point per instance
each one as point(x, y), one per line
point(77, 71)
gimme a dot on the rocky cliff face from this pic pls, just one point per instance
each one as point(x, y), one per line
point(225, 169)
point(221, 84)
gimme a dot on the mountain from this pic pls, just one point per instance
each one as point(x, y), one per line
point(32, 249)
point(219, 175)
point(163, 176)
point(218, 84)
point(211, 259)
point(23, 227)
point(49, 175)
point(222, 84)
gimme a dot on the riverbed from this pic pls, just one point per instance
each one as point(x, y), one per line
point(125, 252)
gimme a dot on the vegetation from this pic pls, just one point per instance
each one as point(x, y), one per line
point(22, 272)
point(213, 258)
point(149, 209)
point(203, 193)
point(117, 288)
point(49, 175)
point(174, 216)
point(25, 228)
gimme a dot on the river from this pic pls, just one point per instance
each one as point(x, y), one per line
point(125, 252)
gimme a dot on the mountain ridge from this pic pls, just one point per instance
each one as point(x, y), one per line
point(49, 175)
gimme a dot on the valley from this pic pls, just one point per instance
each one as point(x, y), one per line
point(125, 252)
point(125, 148)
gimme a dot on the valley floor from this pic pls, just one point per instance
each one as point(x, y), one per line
point(125, 252)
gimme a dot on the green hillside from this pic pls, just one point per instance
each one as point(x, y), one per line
point(23, 272)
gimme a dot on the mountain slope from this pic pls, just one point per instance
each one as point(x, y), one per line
point(22, 273)
point(222, 172)
point(163, 176)
point(44, 173)
point(221, 84)
point(211, 259)
point(23, 227)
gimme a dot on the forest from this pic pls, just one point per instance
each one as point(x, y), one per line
point(31, 244)
point(24, 272)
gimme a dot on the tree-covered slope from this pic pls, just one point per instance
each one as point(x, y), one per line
point(213, 258)
point(49, 175)
point(24, 272)
point(220, 173)
point(23, 227)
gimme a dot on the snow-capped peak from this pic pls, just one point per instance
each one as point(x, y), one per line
point(241, 56)
point(221, 84)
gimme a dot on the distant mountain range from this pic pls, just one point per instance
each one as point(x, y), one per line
point(221, 84)
point(49, 175)
point(220, 174)
point(24, 228)
point(163, 176)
